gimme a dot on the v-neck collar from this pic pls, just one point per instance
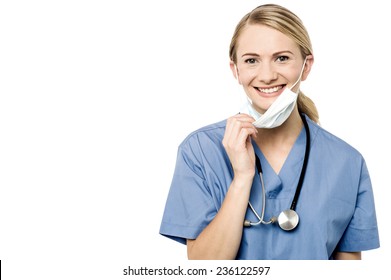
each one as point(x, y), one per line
point(287, 179)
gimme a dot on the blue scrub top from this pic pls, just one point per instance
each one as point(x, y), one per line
point(336, 203)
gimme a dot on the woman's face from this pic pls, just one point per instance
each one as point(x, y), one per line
point(268, 62)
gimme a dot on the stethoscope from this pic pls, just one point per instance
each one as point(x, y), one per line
point(288, 219)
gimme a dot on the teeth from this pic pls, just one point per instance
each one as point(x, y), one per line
point(269, 90)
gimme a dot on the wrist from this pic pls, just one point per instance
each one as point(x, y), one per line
point(243, 180)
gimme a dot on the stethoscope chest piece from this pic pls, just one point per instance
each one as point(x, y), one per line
point(288, 220)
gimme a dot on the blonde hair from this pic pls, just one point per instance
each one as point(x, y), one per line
point(288, 23)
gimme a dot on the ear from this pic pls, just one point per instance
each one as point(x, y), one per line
point(234, 70)
point(307, 67)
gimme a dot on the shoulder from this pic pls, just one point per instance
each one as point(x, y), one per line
point(203, 146)
point(331, 144)
point(205, 142)
point(207, 134)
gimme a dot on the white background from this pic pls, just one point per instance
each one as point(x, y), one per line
point(97, 95)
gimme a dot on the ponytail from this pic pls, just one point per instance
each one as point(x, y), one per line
point(307, 106)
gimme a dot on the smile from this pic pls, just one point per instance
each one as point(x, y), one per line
point(269, 90)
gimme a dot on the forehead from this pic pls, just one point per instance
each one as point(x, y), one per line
point(261, 39)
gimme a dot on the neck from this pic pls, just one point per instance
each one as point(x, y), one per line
point(285, 133)
point(276, 143)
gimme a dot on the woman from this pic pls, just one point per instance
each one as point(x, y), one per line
point(234, 178)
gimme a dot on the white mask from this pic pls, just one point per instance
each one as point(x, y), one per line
point(279, 111)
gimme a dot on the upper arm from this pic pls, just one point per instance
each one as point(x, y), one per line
point(347, 256)
point(189, 243)
point(362, 232)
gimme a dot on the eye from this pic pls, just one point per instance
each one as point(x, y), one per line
point(250, 60)
point(282, 58)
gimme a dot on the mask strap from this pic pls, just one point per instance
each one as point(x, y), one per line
point(301, 74)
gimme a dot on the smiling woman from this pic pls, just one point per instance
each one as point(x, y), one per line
point(267, 160)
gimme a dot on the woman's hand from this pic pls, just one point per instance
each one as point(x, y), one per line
point(237, 143)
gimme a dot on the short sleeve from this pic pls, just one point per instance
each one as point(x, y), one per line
point(362, 231)
point(189, 206)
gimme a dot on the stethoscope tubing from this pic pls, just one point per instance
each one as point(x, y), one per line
point(292, 211)
point(305, 163)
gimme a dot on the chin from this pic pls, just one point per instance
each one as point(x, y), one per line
point(261, 109)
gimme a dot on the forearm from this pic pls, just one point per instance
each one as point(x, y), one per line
point(221, 238)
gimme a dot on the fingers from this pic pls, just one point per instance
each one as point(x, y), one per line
point(238, 130)
point(238, 145)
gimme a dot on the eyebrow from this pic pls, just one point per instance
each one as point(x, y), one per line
point(274, 54)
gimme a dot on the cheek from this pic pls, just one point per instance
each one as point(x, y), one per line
point(291, 74)
point(246, 77)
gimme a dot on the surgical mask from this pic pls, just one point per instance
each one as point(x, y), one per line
point(279, 111)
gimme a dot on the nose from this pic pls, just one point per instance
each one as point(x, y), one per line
point(267, 73)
